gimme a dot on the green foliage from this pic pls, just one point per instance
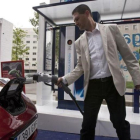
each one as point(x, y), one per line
point(35, 22)
point(138, 50)
point(139, 54)
point(129, 84)
point(18, 49)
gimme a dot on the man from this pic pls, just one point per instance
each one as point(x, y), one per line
point(97, 53)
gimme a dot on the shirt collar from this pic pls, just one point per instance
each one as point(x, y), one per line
point(96, 28)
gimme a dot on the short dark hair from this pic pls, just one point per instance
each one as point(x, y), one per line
point(81, 9)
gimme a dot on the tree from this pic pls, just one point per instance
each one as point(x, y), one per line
point(35, 22)
point(139, 54)
point(18, 49)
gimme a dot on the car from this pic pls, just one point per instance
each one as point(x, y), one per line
point(18, 114)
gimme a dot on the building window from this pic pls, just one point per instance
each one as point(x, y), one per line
point(33, 64)
point(27, 47)
point(27, 58)
point(26, 64)
point(126, 28)
point(34, 47)
point(34, 59)
point(134, 27)
point(34, 53)
point(27, 41)
point(20, 58)
point(27, 53)
point(28, 36)
point(34, 41)
point(34, 36)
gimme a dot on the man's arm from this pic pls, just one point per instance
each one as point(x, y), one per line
point(128, 57)
point(77, 71)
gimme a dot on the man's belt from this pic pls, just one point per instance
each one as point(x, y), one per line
point(102, 79)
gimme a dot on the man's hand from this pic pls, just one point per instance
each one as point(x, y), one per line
point(137, 87)
point(60, 79)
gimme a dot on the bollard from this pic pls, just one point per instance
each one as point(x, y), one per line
point(136, 101)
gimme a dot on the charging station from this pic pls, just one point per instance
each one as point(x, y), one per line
point(56, 114)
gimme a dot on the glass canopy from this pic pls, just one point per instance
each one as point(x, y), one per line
point(60, 13)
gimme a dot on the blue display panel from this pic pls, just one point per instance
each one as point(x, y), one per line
point(78, 85)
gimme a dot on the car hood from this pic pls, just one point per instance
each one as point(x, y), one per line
point(10, 124)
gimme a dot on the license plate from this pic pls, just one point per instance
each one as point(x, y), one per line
point(26, 133)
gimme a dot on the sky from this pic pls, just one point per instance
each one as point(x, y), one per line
point(19, 12)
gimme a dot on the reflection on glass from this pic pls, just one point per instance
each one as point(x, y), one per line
point(48, 53)
point(131, 33)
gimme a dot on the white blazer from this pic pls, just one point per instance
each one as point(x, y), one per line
point(113, 41)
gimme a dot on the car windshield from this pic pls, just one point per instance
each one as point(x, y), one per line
point(13, 87)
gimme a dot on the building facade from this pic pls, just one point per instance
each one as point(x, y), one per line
point(30, 58)
point(6, 37)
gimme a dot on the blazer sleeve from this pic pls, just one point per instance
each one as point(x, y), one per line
point(128, 57)
point(78, 70)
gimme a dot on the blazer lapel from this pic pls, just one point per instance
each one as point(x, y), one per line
point(102, 29)
point(85, 46)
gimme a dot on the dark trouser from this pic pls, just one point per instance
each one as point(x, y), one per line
point(97, 91)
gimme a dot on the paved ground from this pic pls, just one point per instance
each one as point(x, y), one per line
point(51, 135)
point(30, 88)
point(31, 93)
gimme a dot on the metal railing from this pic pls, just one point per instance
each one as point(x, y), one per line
point(135, 95)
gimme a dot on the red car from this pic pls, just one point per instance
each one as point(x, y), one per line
point(18, 115)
